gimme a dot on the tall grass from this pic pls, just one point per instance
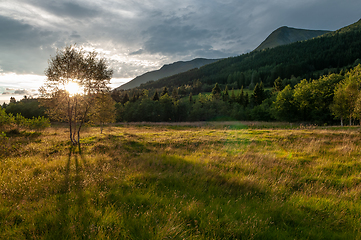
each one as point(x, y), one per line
point(162, 182)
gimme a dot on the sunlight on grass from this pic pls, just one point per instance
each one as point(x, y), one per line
point(157, 182)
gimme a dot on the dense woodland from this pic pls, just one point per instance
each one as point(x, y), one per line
point(320, 101)
point(314, 81)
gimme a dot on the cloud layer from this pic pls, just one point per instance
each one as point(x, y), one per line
point(137, 36)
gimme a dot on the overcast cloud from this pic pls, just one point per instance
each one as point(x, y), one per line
point(137, 36)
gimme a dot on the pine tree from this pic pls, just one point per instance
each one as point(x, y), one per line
point(233, 97)
point(246, 100)
point(277, 86)
point(125, 98)
point(241, 97)
point(191, 98)
point(258, 94)
point(216, 91)
point(225, 95)
point(134, 98)
point(165, 91)
point(155, 96)
point(175, 94)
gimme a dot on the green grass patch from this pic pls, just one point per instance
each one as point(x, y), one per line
point(215, 180)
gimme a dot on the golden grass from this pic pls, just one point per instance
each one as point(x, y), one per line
point(211, 181)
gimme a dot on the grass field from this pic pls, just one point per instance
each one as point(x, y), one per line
point(205, 181)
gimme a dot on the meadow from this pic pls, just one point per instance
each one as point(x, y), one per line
point(200, 181)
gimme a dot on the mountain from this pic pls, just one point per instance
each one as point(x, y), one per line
point(166, 71)
point(300, 60)
point(287, 35)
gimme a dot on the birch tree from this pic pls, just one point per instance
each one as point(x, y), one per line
point(74, 78)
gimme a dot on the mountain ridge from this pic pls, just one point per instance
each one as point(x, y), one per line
point(166, 71)
point(286, 35)
point(303, 59)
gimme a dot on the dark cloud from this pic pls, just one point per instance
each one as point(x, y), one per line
point(70, 9)
point(75, 35)
point(24, 48)
point(173, 39)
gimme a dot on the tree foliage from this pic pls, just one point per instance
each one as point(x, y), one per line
point(91, 74)
point(103, 111)
point(345, 101)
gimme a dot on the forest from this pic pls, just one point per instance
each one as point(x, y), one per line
point(319, 101)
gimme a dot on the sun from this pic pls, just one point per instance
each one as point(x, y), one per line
point(73, 88)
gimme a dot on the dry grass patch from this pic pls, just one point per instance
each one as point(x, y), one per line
point(182, 182)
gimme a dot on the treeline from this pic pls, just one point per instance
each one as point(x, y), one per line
point(336, 95)
point(328, 99)
point(27, 107)
point(301, 60)
point(321, 100)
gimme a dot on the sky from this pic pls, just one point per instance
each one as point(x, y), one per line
point(137, 36)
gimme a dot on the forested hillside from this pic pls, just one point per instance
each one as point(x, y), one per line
point(307, 59)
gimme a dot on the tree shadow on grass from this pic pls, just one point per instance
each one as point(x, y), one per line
point(73, 218)
point(189, 194)
point(205, 200)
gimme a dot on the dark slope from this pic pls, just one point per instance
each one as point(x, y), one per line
point(301, 59)
point(287, 35)
point(166, 71)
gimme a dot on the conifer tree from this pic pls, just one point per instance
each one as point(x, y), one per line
point(175, 94)
point(125, 98)
point(233, 97)
point(191, 97)
point(246, 100)
point(216, 91)
point(258, 94)
point(241, 97)
point(164, 92)
point(155, 96)
point(277, 86)
point(225, 94)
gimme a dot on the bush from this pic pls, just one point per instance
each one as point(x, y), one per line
point(36, 123)
point(39, 123)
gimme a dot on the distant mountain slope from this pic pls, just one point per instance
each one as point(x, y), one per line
point(303, 59)
point(287, 35)
point(166, 71)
